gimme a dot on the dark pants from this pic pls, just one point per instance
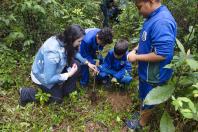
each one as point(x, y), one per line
point(105, 73)
point(105, 76)
point(84, 75)
point(57, 92)
point(105, 14)
point(144, 89)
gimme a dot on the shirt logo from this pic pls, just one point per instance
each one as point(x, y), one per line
point(144, 35)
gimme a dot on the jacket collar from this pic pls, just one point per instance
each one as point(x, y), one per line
point(60, 42)
point(156, 11)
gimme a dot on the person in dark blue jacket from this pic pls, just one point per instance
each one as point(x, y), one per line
point(115, 66)
point(154, 52)
point(91, 47)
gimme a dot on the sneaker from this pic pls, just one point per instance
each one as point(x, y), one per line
point(133, 124)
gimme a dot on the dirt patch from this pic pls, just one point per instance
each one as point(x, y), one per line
point(92, 127)
point(98, 126)
point(119, 101)
point(93, 97)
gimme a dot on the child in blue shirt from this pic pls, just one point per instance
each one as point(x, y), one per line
point(115, 66)
point(92, 44)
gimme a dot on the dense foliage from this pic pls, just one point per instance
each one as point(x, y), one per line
point(25, 25)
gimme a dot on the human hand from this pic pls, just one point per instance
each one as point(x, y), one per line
point(114, 80)
point(97, 62)
point(73, 70)
point(93, 67)
point(132, 57)
point(136, 48)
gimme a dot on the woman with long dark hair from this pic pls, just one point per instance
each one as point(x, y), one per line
point(54, 69)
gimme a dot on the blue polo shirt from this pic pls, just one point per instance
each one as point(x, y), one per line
point(158, 35)
point(89, 46)
point(118, 67)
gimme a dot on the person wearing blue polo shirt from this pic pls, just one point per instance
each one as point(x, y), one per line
point(115, 66)
point(91, 47)
point(154, 51)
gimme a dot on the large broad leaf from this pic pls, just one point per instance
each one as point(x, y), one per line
point(159, 94)
point(166, 123)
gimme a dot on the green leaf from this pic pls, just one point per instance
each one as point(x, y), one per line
point(24, 124)
point(184, 99)
point(118, 119)
point(192, 63)
point(177, 104)
point(191, 32)
point(39, 9)
point(195, 92)
point(181, 47)
point(186, 82)
point(196, 85)
point(187, 113)
point(195, 95)
point(28, 42)
point(188, 52)
point(16, 35)
point(169, 66)
point(135, 40)
point(166, 123)
point(159, 94)
point(190, 103)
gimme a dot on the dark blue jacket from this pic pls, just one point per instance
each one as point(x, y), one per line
point(89, 46)
point(118, 67)
point(158, 35)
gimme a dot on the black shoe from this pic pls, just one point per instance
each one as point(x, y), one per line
point(26, 95)
point(107, 85)
point(21, 101)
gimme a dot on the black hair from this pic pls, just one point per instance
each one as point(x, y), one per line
point(105, 35)
point(121, 47)
point(71, 33)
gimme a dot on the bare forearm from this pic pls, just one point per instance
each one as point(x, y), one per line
point(151, 57)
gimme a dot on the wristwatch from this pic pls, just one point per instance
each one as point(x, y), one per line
point(86, 62)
